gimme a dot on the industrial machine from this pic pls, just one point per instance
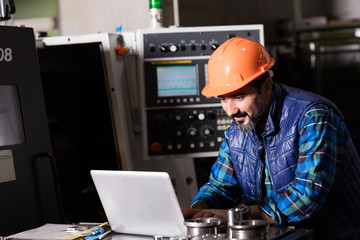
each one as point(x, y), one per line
point(127, 101)
point(177, 121)
point(134, 99)
point(28, 179)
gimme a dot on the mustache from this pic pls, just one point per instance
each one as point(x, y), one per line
point(239, 114)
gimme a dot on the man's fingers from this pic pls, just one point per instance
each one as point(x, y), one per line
point(189, 212)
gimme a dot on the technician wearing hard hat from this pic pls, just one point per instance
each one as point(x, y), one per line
point(287, 157)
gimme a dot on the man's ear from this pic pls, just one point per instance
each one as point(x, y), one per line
point(267, 86)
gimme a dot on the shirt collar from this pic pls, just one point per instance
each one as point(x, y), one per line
point(273, 120)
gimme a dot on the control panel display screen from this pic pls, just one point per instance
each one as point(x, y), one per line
point(176, 81)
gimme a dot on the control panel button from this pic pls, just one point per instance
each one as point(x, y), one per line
point(178, 117)
point(182, 47)
point(156, 147)
point(201, 116)
point(152, 49)
point(173, 48)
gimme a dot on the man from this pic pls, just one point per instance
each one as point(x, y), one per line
point(287, 157)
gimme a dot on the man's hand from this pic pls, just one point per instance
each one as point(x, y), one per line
point(257, 213)
point(204, 213)
point(202, 210)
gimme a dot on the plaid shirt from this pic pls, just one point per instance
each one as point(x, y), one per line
point(322, 142)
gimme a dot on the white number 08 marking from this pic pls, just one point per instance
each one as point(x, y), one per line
point(6, 54)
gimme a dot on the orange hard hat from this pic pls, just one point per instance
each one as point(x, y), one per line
point(234, 64)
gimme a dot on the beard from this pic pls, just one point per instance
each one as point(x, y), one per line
point(259, 114)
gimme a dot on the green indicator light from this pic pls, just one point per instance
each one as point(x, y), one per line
point(155, 4)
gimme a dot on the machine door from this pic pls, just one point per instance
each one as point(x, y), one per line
point(27, 178)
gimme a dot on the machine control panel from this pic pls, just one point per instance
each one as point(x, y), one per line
point(186, 130)
point(178, 119)
point(184, 44)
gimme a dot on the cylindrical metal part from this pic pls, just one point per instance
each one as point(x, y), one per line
point(234, 216)
point(249, 229)
point(202, 226)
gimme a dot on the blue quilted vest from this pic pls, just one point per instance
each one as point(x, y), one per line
point(280, 143)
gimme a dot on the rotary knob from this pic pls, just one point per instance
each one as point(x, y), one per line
point(164, 48)
point(206, 131)
point(192, 132)
point(192, 116)
point(214, 46)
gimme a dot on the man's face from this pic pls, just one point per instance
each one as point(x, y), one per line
point(246, 106)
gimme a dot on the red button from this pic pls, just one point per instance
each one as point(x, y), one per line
point(156, 147)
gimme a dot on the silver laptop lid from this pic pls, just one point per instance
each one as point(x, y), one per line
point(139, 202)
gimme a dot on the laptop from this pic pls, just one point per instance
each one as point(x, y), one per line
point(139, 202)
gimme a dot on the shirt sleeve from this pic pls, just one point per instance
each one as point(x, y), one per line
point(222, 190)
point(322, 142)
